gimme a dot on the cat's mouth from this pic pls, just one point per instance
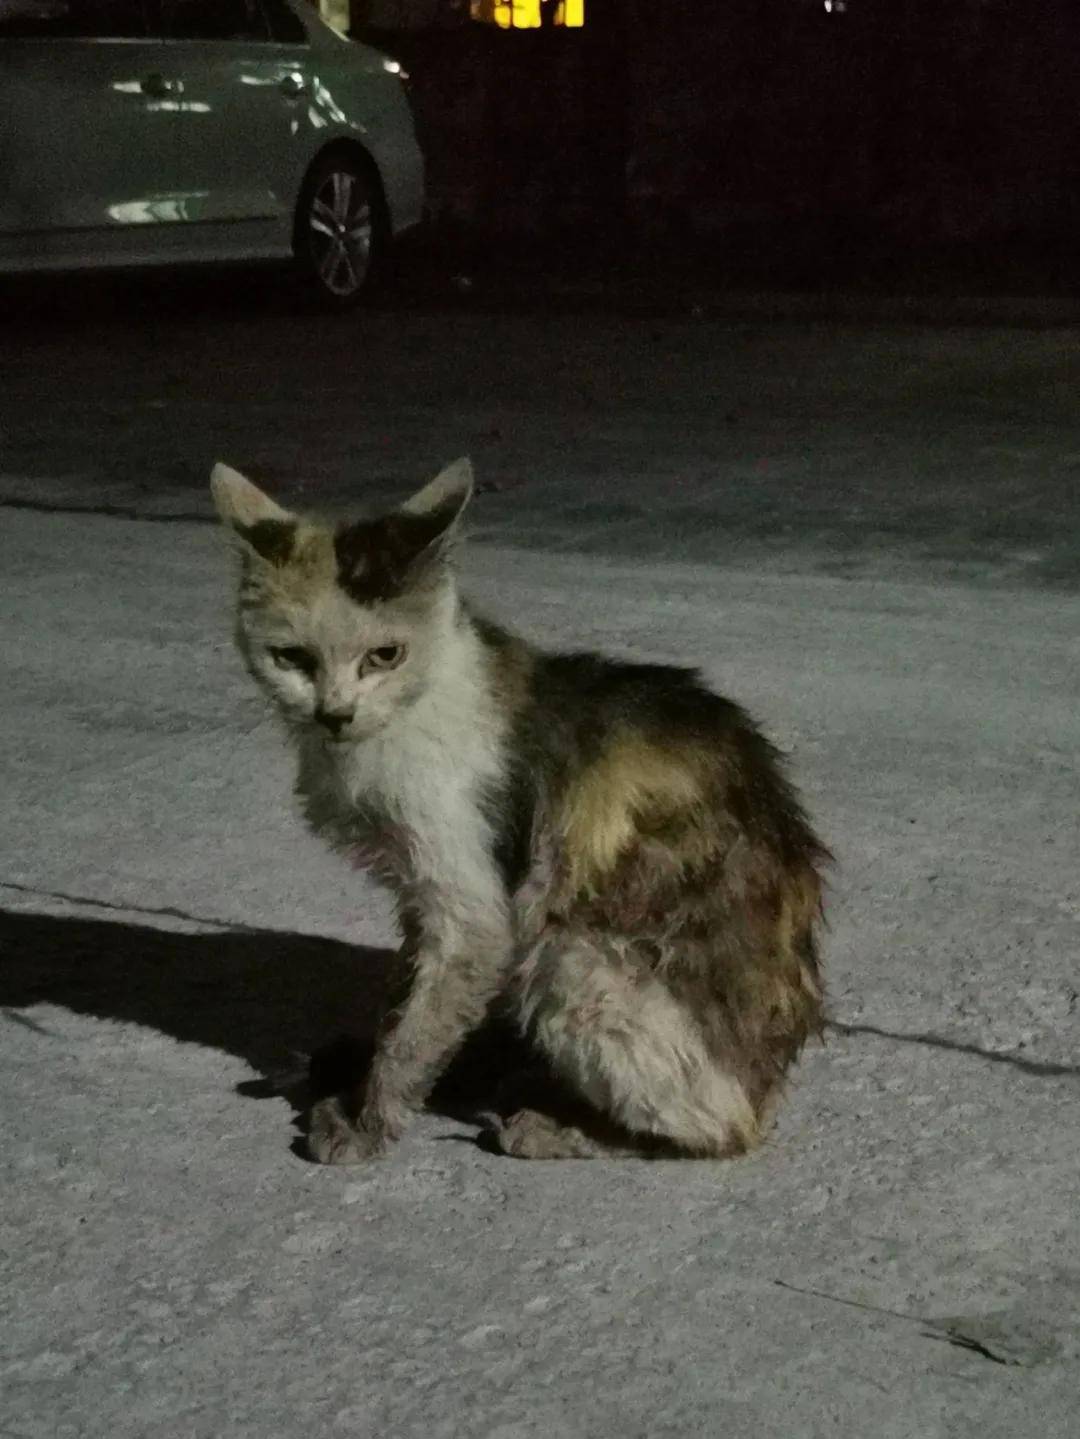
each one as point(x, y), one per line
point(361, 731)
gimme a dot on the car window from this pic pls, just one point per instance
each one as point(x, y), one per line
point(215, 20)
point(285, 26)
point(66, 19)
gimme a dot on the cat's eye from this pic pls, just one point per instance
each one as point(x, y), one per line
point(293, 657)
point(385, 657)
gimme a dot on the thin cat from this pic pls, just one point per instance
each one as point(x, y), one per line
point(608, 852)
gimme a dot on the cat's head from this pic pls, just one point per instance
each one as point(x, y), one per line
point(343, 625)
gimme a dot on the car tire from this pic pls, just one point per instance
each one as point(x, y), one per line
point(340, 230)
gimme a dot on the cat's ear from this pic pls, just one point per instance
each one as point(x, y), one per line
point(240, 503)
point(258, 522)
point(441, 502)
point(406, 549)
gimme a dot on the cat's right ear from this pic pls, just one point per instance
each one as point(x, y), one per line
point(442, 501)
point(257, 521)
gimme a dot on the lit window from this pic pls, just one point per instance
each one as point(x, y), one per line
point(525, 14)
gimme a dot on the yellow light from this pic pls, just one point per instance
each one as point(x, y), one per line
point(507, 14)
point(525, 14)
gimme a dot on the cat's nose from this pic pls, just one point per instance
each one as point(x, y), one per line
point(334, 720)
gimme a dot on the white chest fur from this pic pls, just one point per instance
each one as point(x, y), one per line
point(408, 801)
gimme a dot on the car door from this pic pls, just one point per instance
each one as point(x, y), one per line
point(245, 77)
point(88, 131)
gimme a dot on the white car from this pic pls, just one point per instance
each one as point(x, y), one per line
point(148, 132)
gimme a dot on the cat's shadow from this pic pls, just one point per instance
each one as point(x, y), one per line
point(300, 1010)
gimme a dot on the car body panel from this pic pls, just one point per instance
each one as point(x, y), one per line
point(147, 151)
point(105, 160)
point(238, 128)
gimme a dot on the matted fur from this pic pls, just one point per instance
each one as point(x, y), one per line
point(609, 852)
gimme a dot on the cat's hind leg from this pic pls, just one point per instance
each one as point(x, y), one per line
point(619, 1039)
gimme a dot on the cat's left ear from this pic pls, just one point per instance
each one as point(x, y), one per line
point(441, 502)
point(257, 520)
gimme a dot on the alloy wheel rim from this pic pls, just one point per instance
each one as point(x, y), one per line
point(340, 231)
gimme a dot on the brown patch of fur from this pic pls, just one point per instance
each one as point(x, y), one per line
point(308, 567)
point(380, 559)
point(768, 988)
point(636, 787)
point(271, 539)
point(701, 856)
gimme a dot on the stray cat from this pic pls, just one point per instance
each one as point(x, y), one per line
point(606, 851)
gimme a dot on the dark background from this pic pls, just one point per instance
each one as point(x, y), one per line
point(901, 144)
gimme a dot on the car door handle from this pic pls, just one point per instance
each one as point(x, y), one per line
point(157, 86)
point(293, 85)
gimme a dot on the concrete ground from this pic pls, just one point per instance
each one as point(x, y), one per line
point(870, 535)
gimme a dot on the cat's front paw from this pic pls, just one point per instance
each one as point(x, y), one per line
point(333, 1138)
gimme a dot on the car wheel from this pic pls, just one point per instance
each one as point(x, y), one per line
point(340, 230)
